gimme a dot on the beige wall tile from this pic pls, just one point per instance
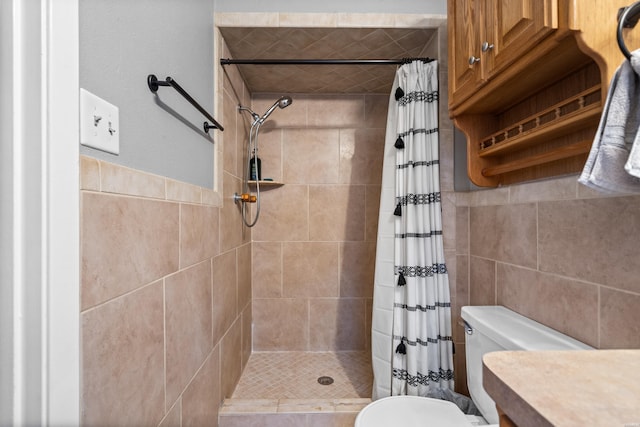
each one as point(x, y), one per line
point(230, 117)
point(244, 276)
point(505, 233)
point(550, 300)
point(366, 20)
point(375, 111)
point(462, 229)
point(357, 266)
point(482, 276)
point(448, 212)
point(270, 152)
point(311, 156)
point(123, 360)
point(459, 296)
point(201, 399)
point(284, 215)
point(199, 237)
point(126, 243)
point(337, 324)
point(491, 197)
point(173, 417)
point(89, 173)
point(552, 189)
point(231, 359)
point(446, 158)
point(336, 111)
point(243, 128)
point(183, 192)
point(233, 233)
point(372, 212)
point(280, 324)
point(188, 325)
point(335, 212)
point(247, 331)
point(263, 420)
point(361, 152)
point(310, 269)
point(319, 20)
point(224, 293)
point(122, 180)
point(267, 269)
point(619, 327)
point(593, 240)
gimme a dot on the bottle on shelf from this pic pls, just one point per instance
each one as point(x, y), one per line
point(255, 167)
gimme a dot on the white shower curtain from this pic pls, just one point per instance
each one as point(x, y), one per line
point(411, 328)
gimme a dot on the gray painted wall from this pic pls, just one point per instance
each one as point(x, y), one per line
point(434, 7)
point(121, 42)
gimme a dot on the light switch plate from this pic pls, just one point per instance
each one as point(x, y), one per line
point(99, 123)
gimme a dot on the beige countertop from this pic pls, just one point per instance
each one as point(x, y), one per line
point(566, 388)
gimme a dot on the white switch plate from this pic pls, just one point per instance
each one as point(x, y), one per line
point(99, 123)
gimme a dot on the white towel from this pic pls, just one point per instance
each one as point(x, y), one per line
point(605, 167)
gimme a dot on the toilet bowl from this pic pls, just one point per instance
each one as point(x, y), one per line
point(488, 328)
point(414, 411)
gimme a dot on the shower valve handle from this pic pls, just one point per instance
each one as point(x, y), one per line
point(244, 198)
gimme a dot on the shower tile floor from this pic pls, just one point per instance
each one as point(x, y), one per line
point(294, 375)
point(281, 389)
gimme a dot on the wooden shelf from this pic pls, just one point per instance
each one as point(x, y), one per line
point(269, 184)
point(540, 159)
point(560, 119)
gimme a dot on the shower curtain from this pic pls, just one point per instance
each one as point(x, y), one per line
point(411, 328)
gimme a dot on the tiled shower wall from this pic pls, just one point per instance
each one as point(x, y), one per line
point(166, 292)
point(314, 244)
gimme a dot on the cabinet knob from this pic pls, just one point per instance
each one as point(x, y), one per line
point(486, 46)
point(473, 60)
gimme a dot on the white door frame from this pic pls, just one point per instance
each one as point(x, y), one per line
point(39, 213)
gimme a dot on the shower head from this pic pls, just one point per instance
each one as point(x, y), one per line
point(282, 102)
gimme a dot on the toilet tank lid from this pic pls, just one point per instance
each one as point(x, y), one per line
point(513, 331)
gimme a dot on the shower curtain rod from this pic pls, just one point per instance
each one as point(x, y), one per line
point(399, 61)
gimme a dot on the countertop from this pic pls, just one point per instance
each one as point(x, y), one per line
point(565, 388)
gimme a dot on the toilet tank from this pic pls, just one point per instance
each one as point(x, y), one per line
point(495, 328)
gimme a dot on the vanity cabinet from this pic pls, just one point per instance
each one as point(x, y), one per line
point(527, 83)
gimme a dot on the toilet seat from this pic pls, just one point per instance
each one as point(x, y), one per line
point(411, 411)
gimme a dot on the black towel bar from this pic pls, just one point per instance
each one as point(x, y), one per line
point(154, 84)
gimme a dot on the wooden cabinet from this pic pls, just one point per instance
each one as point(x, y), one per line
point(488, 35)
point(527, 82)
point(466, 31)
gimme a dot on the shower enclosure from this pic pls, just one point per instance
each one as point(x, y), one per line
point(313, 249)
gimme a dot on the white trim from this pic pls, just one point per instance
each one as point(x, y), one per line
point(39, 214)
point(63, 228)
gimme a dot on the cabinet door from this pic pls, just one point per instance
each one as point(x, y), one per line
point(464, 19)
point(514, 27)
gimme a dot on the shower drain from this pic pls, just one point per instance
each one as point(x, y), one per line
point(325, 380)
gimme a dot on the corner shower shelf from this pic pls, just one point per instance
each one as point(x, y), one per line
point(269, 184)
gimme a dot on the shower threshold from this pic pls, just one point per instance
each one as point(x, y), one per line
point(282, 388)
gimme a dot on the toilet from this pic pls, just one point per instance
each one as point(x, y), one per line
point(488, 328)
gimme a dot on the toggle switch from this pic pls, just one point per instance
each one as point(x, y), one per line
point(99, 123)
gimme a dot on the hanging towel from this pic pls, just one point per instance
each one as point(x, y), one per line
point(633, 163)
point(605, 166)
